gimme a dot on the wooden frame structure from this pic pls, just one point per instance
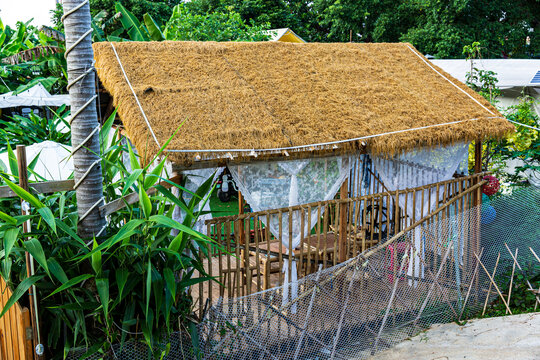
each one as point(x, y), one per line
point(248, 258)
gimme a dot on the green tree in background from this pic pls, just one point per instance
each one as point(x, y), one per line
point(444, 26)
point(29, 56)
point(437, 27)
point(217, 26)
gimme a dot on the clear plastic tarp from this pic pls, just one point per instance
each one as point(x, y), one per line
point(278, 184)
point(418, 168)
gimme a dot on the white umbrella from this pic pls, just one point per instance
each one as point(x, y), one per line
point(54, 161)
point(35, 96)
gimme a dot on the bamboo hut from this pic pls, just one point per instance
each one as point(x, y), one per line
point(297, 124)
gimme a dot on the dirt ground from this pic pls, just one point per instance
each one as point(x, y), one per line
point(509, 337)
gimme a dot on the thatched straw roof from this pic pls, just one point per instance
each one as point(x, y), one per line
point(273, 95)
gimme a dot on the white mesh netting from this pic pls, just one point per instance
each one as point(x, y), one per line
point(367, 304)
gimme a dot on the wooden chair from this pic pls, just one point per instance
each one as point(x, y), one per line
point(270, 251)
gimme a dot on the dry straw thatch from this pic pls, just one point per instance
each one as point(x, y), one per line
point(266, 95)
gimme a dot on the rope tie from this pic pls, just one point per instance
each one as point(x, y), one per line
point(73, 151)
point(135, 95)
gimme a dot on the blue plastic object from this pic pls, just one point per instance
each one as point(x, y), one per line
point(488, 214)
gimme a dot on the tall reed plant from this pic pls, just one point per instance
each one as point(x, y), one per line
point(129, 284)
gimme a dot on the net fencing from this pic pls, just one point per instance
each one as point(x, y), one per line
point(446, 269)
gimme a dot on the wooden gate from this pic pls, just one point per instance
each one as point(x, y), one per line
point(15, 329)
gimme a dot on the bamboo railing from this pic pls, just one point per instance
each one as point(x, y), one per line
point(249, 256)
point(15, 329)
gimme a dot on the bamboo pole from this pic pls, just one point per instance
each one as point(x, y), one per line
point(343, 194)
point(512, 279)
point(390, 302)
point(522, 273)
point(489, 289)
point(343, 311)
point(494, 284)
point(473, 277)
point(32, 292)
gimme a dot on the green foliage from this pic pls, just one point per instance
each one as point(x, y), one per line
point(20, 130)
point(440, 28)
point(45, 66)
point(130, 284)
point(184, 25)
point(160, 10)
point(524, 144)
point(228, 26)
point(522, 299)
point(443, 27)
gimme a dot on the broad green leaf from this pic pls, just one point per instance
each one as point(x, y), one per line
point(121, 279)
point(20, 291)
point(170, 281)
point(133, 161)
point(56, 270)
point(7, 218)
point(12, 159)
point(23, 194)
point(131, 179)
point(154, 176)
point(10, 236)
point(106, 128)
point(168, 222)
point(68, 230)
point(153, 28)
point(33, 246)
point(131, 24)
point(48, 216)
point(174, 199)
point(70, 283)
point(145, 202)
point(126, 231)
point(102, 285)
point(148, 286)
point(96, 259)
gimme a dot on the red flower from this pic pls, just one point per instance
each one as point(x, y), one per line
point(492, 186)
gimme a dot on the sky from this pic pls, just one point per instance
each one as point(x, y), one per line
point(12, 11)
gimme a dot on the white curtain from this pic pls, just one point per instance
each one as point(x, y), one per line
point(418, 168)
point(278, 184)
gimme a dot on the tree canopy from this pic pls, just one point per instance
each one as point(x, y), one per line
point(438, 27)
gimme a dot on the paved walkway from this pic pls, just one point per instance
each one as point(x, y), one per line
point(509, 337)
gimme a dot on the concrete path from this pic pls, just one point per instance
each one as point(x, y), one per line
point(510, 337)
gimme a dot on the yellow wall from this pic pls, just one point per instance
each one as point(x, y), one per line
point(290, 37)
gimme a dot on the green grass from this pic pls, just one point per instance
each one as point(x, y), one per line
point(219, 208)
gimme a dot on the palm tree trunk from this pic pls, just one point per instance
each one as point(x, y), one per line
point(84, 125)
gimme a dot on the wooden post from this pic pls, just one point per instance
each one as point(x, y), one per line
point(32, 296)
point(477, 202)
point(343, 194)
point(241, 222)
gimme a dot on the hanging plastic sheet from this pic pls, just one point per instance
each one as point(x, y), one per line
point(414, 169)
point(278, 184)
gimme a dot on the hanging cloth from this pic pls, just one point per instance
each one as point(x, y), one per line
point(414, 169)
point(278, 184)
